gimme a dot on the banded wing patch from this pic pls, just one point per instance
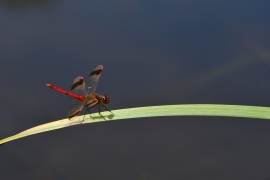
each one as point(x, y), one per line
point(93, 79)
point(78, 86)
point(75, 109)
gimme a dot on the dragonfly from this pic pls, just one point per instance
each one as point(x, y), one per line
point(85, 96)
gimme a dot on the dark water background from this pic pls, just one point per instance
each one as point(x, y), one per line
point(154, 53)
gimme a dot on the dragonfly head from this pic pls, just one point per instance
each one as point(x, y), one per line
point(106, 99)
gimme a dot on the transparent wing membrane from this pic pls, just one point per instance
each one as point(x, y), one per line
point(78, 86)
point(93, 79)
point(75, 109)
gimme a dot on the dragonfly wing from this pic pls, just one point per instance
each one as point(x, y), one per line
point(78, 86)
point(75, 109)
point(93, 79)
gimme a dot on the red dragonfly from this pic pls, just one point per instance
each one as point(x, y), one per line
point(85, 97)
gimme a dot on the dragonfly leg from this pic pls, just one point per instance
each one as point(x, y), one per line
point(88, 109)
point(106, 108)
point(85, 113)
point(99, 109)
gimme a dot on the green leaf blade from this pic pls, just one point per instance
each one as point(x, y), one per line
point(152, 111)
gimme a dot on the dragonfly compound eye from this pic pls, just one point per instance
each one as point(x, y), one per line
point(106, 99)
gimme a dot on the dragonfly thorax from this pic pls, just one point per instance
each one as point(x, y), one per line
point(94, 98)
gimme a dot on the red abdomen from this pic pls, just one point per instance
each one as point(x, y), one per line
point(76, 96)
